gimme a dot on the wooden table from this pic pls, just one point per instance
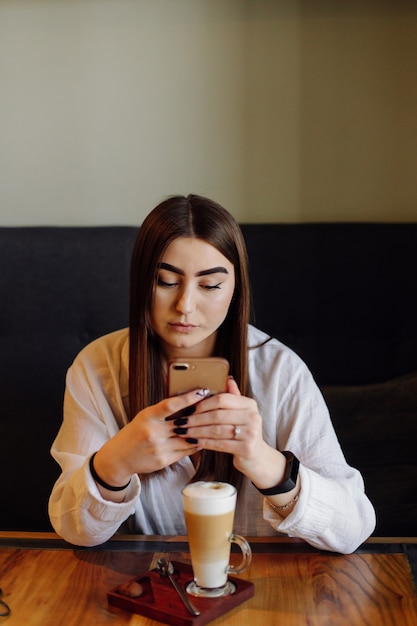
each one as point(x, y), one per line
point(46, 582)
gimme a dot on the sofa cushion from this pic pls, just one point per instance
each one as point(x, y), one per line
point(377, 427)
point(340, 295)
point(60, 288)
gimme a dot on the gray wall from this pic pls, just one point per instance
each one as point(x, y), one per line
point(282, 110)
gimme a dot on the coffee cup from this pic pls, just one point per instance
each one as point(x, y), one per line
point(209, 509)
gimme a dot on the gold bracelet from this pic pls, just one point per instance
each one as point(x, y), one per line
point(283, 507)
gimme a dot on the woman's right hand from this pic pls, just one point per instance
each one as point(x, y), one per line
point(146, 444)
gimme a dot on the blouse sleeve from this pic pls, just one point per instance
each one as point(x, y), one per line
point(333, 511)
point(77, 510)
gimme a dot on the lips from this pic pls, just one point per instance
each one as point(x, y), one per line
point(182, 328)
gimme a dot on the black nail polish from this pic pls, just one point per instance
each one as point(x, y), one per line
point(181, 421)
point(191, 440)
point(189, 410)
point(180, 431)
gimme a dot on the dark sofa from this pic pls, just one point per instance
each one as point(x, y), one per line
point(343, 296)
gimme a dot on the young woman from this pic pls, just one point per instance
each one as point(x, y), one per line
point(124, 455)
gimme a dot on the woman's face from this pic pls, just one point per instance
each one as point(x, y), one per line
point(194, 288)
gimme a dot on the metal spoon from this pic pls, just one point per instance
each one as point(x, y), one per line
point(165, 568)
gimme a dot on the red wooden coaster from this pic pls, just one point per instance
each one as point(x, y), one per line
point(161, 602)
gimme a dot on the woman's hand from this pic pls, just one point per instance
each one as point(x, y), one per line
point(230, 422)
point(148, 443)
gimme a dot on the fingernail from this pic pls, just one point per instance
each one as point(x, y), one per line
point(191, 440)
point(180, 431)
point(180, 421)
point(202, 393)
point(189, 410)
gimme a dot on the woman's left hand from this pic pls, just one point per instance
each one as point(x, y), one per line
point(229, 422)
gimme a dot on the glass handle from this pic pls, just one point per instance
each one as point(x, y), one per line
point(246, 554)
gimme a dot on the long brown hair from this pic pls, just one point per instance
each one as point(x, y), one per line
point(198, 217)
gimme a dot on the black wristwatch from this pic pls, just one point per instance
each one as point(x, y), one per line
point(290, 478)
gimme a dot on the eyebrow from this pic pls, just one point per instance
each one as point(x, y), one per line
point(213, 270)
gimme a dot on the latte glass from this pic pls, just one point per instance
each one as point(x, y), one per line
point(209, 509)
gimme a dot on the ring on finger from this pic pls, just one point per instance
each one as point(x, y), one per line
point(236, 432)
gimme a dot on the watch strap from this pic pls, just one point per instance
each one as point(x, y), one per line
point(290, 478)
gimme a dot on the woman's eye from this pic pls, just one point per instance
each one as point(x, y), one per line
point(165, 283)
point(211, 287)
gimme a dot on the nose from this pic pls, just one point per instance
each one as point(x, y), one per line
point(186, 302)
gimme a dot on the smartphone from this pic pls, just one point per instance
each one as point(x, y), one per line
point(197, 373)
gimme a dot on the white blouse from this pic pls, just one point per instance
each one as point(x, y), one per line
point(332, 513)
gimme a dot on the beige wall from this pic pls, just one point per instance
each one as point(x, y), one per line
point(282, 110)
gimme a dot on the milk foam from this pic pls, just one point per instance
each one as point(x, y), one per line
point(209, 498)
